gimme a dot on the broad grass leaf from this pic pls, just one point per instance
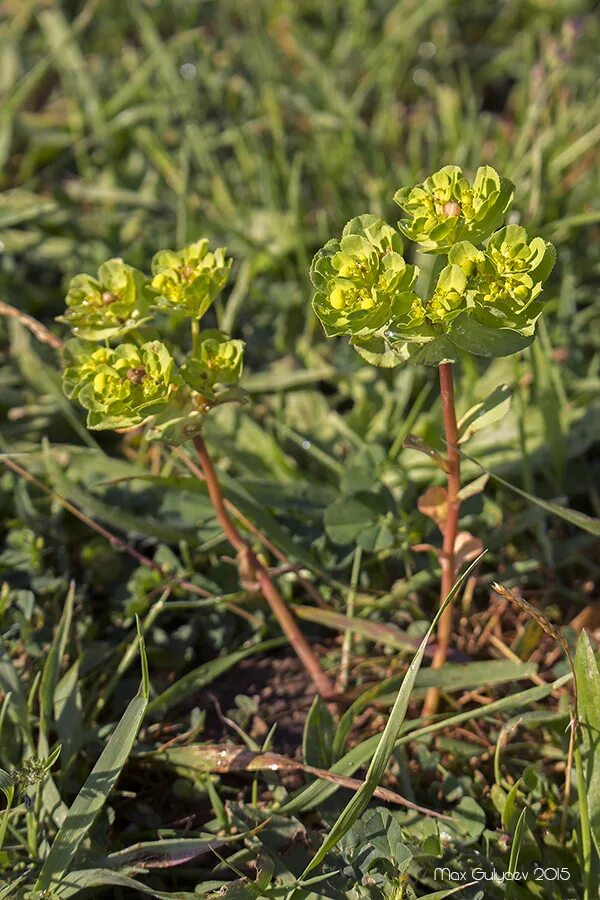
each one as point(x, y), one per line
point(515, 851)
point(10, 683)
point(447, 892)
point(389, 635)
point(78, 881)
point(7, 787)
point(68, 712)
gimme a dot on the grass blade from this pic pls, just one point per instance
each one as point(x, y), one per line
point(588, 681)
point(51, 670)
point(515, 851)
point(92, 797)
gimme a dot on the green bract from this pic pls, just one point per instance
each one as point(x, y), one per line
point(123, 387)
point(363, 281)
point(217, 360)
point(106, 306)
point(188, 280)
point(445, 208)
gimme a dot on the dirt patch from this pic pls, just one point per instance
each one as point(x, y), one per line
point(282, 692)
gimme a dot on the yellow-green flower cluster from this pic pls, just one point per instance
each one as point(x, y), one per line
point(188, 281)
point(363, 282)
point(446, 208)
point(123, 387)
point(107, 306)
point(217, 360)
point(485, 300)
point(126, 385)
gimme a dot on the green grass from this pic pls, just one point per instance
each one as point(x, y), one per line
point(295, 117)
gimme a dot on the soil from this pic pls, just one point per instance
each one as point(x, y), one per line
point(282, 692)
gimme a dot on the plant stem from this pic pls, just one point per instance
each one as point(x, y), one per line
point(450, 526)
point(38, 330)
point(251, 569)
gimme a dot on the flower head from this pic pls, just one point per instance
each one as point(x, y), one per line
point(106, 306)
point(189, 280)
point(123, 387)
point(362, 281)
point(448, 298)
point(445, 208)
point(81, 361)
point(504, 281)
point(218, 360)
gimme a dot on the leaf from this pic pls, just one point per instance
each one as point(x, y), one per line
point(107, 512)
point(447, 892)
point(385, 745)
point(466, 548)
point(390, 635)
point(223, 758)
point(433, 503)
point(482, 340)
point(474, 487)
point(51, 670)
point(515, 852)
point(11, 684)
point(485, 413)
point(319, 730)
point(588, 698)
point(68, 712)
point(377, 352)
point(468, 821)
point(77, 881)
point(8, 891)
point(45, 380)
point(376, 837)
point(167, 853)
point(433, 353)
point(361, 519)
point(92, 796)
point(7, 786)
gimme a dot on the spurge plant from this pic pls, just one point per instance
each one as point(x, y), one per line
point(121, 368)
point(483, 297)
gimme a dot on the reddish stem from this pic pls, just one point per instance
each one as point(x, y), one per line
point(449, 529)
point(252, 568)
